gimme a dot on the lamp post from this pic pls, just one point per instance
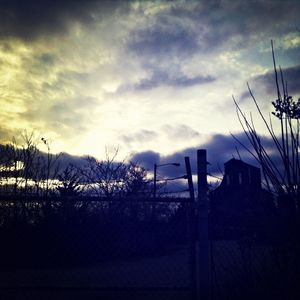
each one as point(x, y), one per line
point(155, 174)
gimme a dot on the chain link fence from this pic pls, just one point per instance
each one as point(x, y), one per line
point(254, 255)
point(74, 248)
point(142, 248)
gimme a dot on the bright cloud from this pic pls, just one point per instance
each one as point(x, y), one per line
point(138, 75)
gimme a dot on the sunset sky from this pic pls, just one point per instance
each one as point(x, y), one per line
point(148, 77)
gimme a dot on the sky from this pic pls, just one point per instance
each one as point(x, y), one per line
point(154, 79)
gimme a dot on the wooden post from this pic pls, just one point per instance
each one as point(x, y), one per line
point(191, 231)
point(203, 238)
point(189, 177)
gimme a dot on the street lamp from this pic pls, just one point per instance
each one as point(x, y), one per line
point(155, 171)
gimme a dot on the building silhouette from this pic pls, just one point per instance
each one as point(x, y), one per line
point(240, 205)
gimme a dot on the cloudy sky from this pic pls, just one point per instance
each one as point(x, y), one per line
point(153, 78)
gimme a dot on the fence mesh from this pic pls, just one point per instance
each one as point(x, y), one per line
point(254, 256)
point(73, 248)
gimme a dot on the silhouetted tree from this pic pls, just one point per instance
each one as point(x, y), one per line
point(71, 182)
point(110, 178)
point(282, 176)
point(135, 182)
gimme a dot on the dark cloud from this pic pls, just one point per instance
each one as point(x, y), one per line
point(189, 27)
point(170, 37)
point(182, 30)
point(291, 77)
point(32, 18)
point(163, 38)
point(164, 79)
point(220, 148)
point(251, 20)
point(185, 27)
point(266, 83)
point(67, 160)
point(147, 159)
point(173, 32)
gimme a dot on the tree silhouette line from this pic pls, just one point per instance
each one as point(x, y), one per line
point(25, 170)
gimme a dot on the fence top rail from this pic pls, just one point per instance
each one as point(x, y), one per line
point(34, 198)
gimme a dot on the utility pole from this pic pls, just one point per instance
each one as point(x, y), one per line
point(203, 256)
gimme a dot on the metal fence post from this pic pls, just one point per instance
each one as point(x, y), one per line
point(203, 238)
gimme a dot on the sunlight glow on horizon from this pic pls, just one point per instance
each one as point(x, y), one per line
point(146, 76)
